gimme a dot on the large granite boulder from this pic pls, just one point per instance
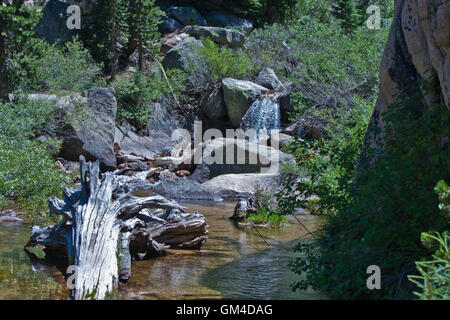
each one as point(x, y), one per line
point(183, 54)
point(53, 25)
point(224, 19)
point(186, 15)
point(85, 124)
point(91, 133)
point(239, 96)
point(230, 38)
point(214, 106)
point(232, 186)
point(184, 189)
point(169, 25)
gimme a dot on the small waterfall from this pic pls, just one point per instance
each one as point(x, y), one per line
point(263, 115)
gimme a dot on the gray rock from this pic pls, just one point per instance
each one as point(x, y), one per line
point(169, 25)
point(232, 186)
point(239, 96)
point(182, 54)
point(214, 105)
point(201, 174)
point(230, 38)
point(53, 25)
point(268, 79)
point(224, 19)
point(91, 132)
point(184, 189)
point(9, 216)
point(186, 15)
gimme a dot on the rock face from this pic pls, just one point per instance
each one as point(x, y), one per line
point(224, 19)
point(53, 25)
point(239, 96)
point(91, 133)
point(230, 38)
point(186, 16)
point(419, 41)
point(182, 54)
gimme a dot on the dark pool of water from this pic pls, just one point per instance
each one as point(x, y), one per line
point(235, 263)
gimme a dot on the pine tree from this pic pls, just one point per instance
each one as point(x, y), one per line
point(16, 23)
point(346, 12)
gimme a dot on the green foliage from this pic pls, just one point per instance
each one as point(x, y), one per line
point(324, 66)
point(345, 11)
point(391, 201)
point(68, 68)
point(434, 278)
point(267, 216)
point(221, 62)
point(28, 173)
point(135, 95)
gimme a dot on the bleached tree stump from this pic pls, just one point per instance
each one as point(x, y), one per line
point(103, 216)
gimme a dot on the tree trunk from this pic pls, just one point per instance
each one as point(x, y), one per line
point(106, 221)
point(3, 71)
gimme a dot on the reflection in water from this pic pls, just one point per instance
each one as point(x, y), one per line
point(234, 263)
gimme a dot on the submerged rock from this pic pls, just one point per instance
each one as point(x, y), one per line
point(9, 216)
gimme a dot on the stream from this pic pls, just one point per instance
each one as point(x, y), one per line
point(234, 263)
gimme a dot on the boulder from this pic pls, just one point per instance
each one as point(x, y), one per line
point(186, 15)
point(239, 96)
point(182, 54)
point(230, 38)
point(184, 189)
point(225, 156)
point(169, 25)
point(52, 27)
point(214, 105)
point(268, 79)
point(91, 131)
point(224, 19)
point(232, 186)
point(9, 216)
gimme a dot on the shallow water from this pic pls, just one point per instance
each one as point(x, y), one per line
point(234, 263)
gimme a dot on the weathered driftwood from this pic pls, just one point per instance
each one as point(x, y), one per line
point(103, 223)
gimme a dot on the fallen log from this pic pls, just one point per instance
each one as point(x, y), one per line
point(104, 225)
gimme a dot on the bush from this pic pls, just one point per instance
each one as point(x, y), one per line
point(380, 219)
point(221, 62)
point(134, 95)
point(28, 173)
point(68, 68)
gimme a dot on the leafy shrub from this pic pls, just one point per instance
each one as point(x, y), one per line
point(222, 62)
point(134, 95)
point(28, 173)
point(68, 68)
point(380, 219)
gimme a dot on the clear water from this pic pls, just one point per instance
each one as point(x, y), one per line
point(234, 263)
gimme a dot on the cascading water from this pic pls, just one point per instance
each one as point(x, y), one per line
point(263, 115)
